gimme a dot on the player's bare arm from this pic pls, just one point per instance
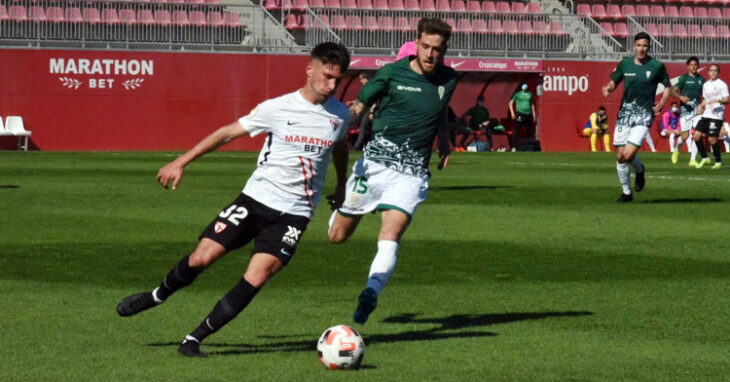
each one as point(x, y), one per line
point(659, 106)
point(608, 88)
point(676, 93)
point(512, 108)
point(173, 171)
point(356, 108)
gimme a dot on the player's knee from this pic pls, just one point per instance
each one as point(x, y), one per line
point(201, 259)
point(337, 235)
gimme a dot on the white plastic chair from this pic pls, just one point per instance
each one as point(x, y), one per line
point(3, 131)
point(14, 125)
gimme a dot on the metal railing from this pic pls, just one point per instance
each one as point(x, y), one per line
point(509, 35)
point(679, 37)
point(124, 24)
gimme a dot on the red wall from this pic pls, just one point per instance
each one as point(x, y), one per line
point(188, 95)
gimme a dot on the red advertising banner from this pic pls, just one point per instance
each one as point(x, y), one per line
point(460, 64)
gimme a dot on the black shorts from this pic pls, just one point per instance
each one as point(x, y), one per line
point(709, 126)
point(245, 219)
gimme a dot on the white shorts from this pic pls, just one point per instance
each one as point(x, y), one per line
point(372, 186)
point(626, 134)
point(689, 122)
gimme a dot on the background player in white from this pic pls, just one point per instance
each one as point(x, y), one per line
point(641, 75)
point(392, 176)
point(689, 91)
point(715, 97)
point(278, 201)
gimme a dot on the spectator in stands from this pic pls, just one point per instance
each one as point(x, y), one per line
point(596, 126)
point(524, 115)
point(671, 125)
point(478, 120)
point(366, 121)
point(407, 49)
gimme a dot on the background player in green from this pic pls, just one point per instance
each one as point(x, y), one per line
point(392, 176)
point(689, 91)
point(642, 75)
point(524, 116)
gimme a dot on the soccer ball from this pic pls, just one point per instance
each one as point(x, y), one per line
point(340, 347)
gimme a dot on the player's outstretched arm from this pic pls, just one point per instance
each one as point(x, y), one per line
point(660, 105)
point(173, 171)
point(676, 93)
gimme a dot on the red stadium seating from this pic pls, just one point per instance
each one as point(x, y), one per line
point(494, 26)
point(656, 10)
point(316, 3)
point(299, 5)
point(685, 11)
point(533, 7)
point(608, 27)
point(401, 24)
point(642, 10)
point(628, 10)
point(365, 4)
point(18, 13)
point(479, 26)
point(599, 12)
point(197, 18)
point(180, 18)
point(349, 4)
point(614, 11)
point(37, 14)
point(503, 7)
point(620, 30)
point(428, 5)
point(701, 13)
point(489, 7)
point(511, 28)
point(694, 31)
point(556, 28)
point(338, 22)
point(397, 4)
point(709, 31)
point(370, 23)
point(443, 5)
point(332, 3)
point(385, 23)
point(73, 15)
point(680, 31)
point(541, 28)
point(652, 29)
point(726, 13)
point(54, 14)
point(272, 5)
point(145, 17)
point(163, 17)
point(412, 5)
point(354, 23)
point(232, 20)
point(518, 7)
point(451, 22)
point(127, 16)
point(715, 13)
point(110, 16)
point(665, 30)
point(380, 4)
point(671, 11)
point(583, 10)
point(91, 16)
point(464, 26)
point(291, 22)
point(723, 32)
point(458, 6)
point(4, 13)
point(525, 27)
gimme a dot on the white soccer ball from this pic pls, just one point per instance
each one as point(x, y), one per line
point(341, 347)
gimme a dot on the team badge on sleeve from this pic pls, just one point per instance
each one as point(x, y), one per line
point(220, 227)
point(335, 124)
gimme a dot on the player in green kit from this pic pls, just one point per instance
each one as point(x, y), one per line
point(689, 91)
point(392, 176)
point(642, 75)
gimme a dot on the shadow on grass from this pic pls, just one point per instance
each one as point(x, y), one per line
point(682, 200)
point(465, 188)
point(9, 186)
point(449, 323)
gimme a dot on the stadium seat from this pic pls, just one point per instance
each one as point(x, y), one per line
point(451, 22)
point(316, 3)
point(197, 18)
point(428, 5)
point(458, 6)
point(401, 24)
point(272, 5)
point(232, 20)
point(479, 26)
point(556, 28)
point(443, 6)
point(671, 11)
point(714, 13)
point(338, 22)
point(354, 23)
point(211, 1)
point(726, 13)
point(473, 6)
point(620, 29)
point(380, 4)
point(709, 31)
point(665, 30)
point(370, 23)
point(651, 29)
point(503, 7)
point(680, 31)
point(511, 28)
point(464, 26)
point(73, 15)
point(15, 126)
point(614, 11)
point(656, 11)
point(18, 13)
point(642, 10)
point(291, 22)
point(608, 27)
point(489, 7)
point(414, 22)
point(525, 27)
point(685, 11)
point(110, 16)
point(162, 17)
point(397, 5)
point(599, 12)
point(180, 18)
point(349, 4)
point(91, 16)
point(412, 5)
point(4, 13)
point(385, 23)
point(628, 10)
point(540, 28)
point(701, 13)
point(55, 14)
point(365, 4)
point(494, 26)
point(195, 1)
point(518, 7)
point(37, 14)
point(694, 31)
point(583, 10)
point(332, 4)
point(127, 16)
point(533, 7)
point(145, 17)
point(300, 5)
point(723, 32)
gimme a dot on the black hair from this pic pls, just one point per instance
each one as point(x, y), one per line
point(365, 75)
point(332, 53)
point(693, 58)
point(434, 26)
point(601, 108)
point(642, 36)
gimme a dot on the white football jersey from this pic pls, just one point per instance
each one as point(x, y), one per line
point(293, 162)
point(711, 91)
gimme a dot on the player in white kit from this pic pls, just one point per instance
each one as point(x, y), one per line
point(302, 129)
point(715, 97)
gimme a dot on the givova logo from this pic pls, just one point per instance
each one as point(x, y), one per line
point(291, 236)
point(565, 84)
point(411, 89)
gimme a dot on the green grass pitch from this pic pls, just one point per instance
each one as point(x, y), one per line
point(517, 267)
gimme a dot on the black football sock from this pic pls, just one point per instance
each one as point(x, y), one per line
point(226, 309)
point(701, 148)
point(716, 150)
point(179, 277)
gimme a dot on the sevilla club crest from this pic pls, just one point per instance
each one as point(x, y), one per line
point(335, 124)
point(220, 227)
